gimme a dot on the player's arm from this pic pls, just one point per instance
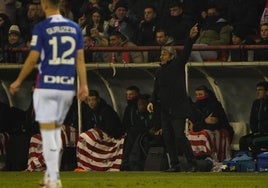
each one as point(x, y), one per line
point(82, 74)
point(25, 71)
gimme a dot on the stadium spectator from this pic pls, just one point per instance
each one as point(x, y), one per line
point(96, 21)
point(258, 120)
point(244, 13)
point(147, 27)
point(214, 31)
point(169, 91)
point(122, 23)
point(117, 39)
point(28, 17)
point(5, 24)
point(9, 8)
point(240, 38)
point(89, 5)
point(13, 55)
point(161, 39)
point(98, 40)
point(177, 24)
point(209, 116)
point(88, 43)
point(65, 9)
point(39, 11)
point(262, 54)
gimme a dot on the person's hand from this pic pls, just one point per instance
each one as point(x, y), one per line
point(194, 31)
point(14, 87)
point(150, 107)
point(158, 132)
point(211, 119)
point(82, 93)
point(82, 20)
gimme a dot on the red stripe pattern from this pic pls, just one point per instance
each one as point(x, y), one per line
point(208, 142)
point(96, 151)
point(36, 160)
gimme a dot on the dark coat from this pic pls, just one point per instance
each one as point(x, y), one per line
point(261, 54)
point(178, 27)
point(259, 116)
point(203, 108)
point(103, 117)
point(146, 32)
point(127, 119)
point(4, 117)
point(169, 86)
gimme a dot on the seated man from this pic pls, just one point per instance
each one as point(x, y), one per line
point(258, 119)
point(209, 121)
point(100, 146)
point(137, 139)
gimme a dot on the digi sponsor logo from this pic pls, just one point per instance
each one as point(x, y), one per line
point(49, 79)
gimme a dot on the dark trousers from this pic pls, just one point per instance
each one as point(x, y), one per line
point(246, 143)
point(175, 140)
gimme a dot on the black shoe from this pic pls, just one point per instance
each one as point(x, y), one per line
point(124, 167)
point(191, 167)
point(176, 168)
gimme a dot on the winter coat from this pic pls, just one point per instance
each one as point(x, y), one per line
point(103, 117)
point(202, 109)
point(169, 86)
point(259, 116)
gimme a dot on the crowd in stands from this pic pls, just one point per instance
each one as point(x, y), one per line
point(122, 23)
point(139, 24)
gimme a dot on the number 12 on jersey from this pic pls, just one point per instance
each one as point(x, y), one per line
point(57, 58)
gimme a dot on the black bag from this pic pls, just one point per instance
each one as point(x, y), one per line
point(259, 145)
point(156, 159)
point(68, 160)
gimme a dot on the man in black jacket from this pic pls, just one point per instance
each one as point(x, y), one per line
point(170, 92)
point(258, 119)
point(98, 114)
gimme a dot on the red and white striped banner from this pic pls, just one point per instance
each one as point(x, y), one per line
point(36, 160)
point(207, 142)
point(96, 151)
